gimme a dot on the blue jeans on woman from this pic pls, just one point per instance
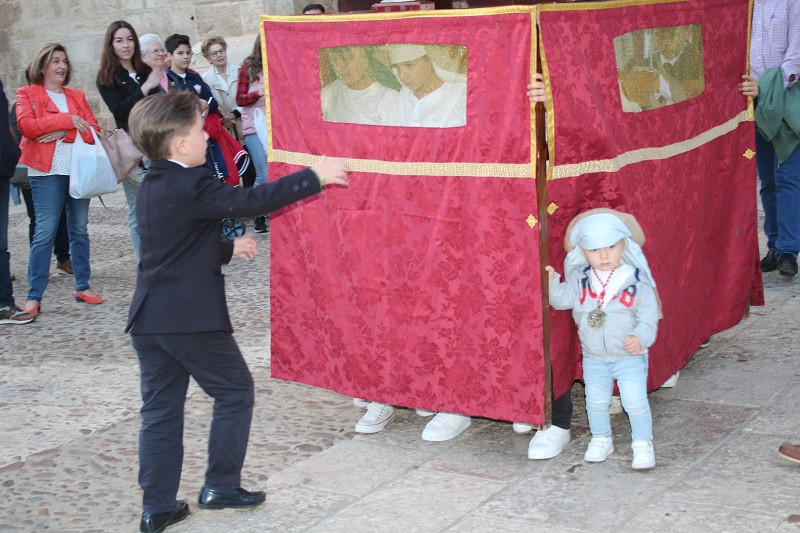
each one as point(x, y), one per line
point(50, 196)
point(631, 376)
point(258, 157)
point(780, 197)
point(61, 245)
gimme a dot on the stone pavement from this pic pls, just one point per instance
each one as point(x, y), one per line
point(69, 399)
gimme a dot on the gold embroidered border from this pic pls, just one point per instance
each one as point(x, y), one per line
point(549, 115)
point(750, 110)
point(412, 168)
point(532, 71)
point(647, 154)
point(586, 6)
point(265, 70)
point(436, 13)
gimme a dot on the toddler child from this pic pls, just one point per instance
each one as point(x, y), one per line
point(610, 289)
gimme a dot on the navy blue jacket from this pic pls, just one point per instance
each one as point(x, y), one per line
point(192, 82)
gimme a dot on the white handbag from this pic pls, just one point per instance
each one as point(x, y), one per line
point(91, 173)
point(260, 123)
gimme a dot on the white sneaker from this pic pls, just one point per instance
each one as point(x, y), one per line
point(644, 457)
point(615, 407)
point(599, 449)
point(521, 428)
point(547, 443)
point(445, 426)
point(672, 381)
point(360, 403)
point(423, 412)
point(376, 418)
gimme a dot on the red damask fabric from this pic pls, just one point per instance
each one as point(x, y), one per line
point(697, 209)
point(419, 291)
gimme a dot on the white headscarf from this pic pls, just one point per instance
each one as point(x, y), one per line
point(601, 231)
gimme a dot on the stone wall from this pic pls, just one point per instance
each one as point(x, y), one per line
point(80, 25)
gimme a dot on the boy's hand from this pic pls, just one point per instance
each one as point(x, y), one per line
point(536, 89)
point(244, 247)
point(632, 345)
point(331, 171)
point(749, 87)
point(551, 273)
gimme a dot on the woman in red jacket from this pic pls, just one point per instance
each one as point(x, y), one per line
point(49, 117)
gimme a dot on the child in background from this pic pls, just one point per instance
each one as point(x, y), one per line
point(611, 292)
point(180, 76)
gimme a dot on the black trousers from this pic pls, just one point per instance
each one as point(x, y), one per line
point(167, 361)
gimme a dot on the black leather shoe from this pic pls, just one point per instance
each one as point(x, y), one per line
point(212, 499)
point(157, 522)
point(787, 265)
point(770, 262)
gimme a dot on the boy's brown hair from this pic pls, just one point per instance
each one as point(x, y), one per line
point(156, 120)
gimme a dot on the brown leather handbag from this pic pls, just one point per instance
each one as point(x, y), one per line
point(121, 151)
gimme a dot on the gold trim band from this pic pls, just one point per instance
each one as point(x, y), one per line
point(426, 13)
point(418, 168)
point(647, 154)
point(585, 6)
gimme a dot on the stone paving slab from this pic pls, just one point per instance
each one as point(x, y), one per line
point(69, 393)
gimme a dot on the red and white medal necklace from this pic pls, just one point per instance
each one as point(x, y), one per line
point(597, 317)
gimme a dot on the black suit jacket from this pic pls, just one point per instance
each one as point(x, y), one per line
point(121, 98)
point(179, 284)
point(9, 151)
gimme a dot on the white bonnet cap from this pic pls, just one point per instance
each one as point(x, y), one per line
point(400, 53)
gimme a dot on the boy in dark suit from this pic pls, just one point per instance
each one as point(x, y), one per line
point(179, 318)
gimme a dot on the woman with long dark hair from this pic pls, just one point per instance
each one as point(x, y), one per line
point(123, 80)
point(250, 95)
point(50, 117)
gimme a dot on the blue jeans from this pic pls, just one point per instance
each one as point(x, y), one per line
point(780, 196)
point(50, 196)
point(6, 289)
point(131, 189)
point(258, 157)
point(631, 376)
point(61, 245)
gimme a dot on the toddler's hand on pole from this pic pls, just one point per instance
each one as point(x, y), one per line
point(331, 171)
point(245, 247)
point(632, 345)
point(551, 273)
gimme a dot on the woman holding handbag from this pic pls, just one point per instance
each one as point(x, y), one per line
point(123, 80)
point(49, 117)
